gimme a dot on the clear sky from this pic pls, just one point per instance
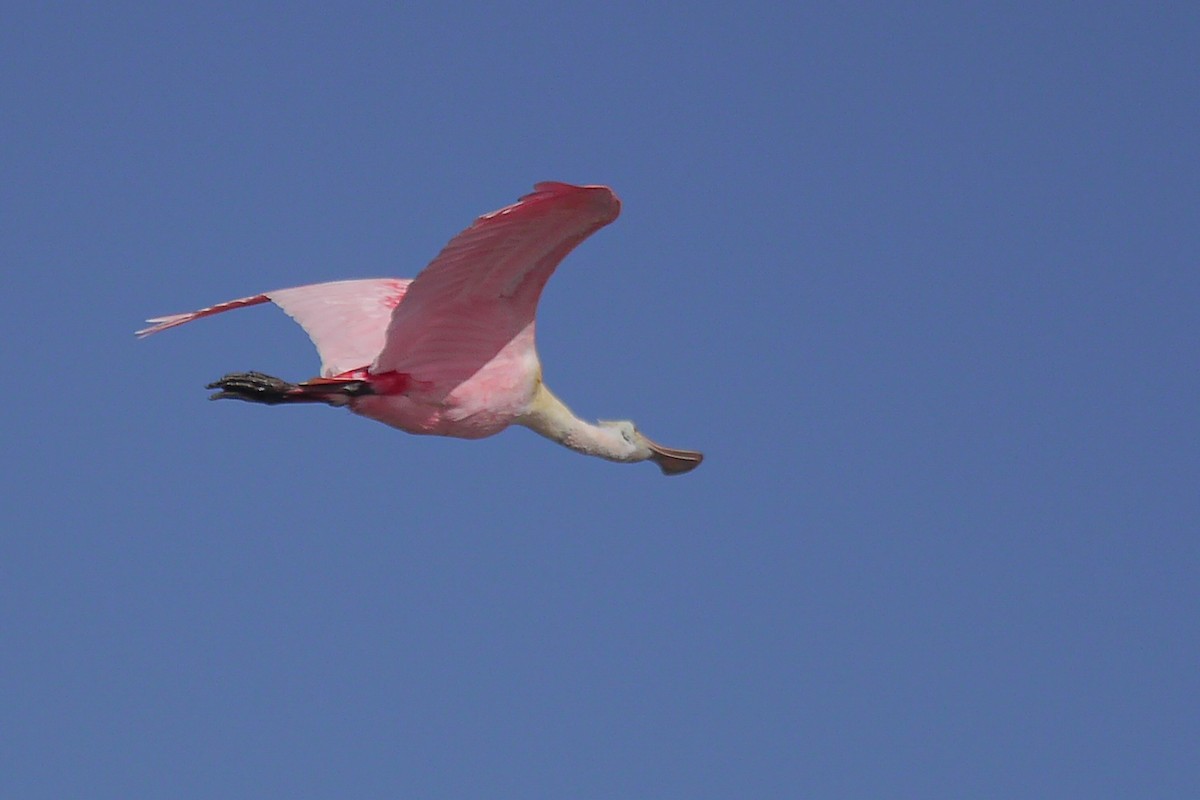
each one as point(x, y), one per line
point(921, 282)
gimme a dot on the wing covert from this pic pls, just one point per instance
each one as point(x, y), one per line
point(482, 289)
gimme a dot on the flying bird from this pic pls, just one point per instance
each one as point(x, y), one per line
point(451, 352)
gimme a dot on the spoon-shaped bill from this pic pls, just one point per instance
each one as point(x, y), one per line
point(673, 461)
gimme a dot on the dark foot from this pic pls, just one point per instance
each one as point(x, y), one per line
point(255, 387)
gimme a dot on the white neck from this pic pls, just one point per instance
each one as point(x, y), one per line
point(550, 417)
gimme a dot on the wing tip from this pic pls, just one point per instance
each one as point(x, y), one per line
point(602, 200)
point(172, 320)
point(601, 197)
point(157, 324)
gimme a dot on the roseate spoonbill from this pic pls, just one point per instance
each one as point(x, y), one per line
point(451, 352)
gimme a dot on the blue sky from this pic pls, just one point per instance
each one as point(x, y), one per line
point(921, 282)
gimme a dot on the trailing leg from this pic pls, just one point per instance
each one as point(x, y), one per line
point(255, 387)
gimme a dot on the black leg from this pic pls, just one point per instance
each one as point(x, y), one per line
point(255, 387)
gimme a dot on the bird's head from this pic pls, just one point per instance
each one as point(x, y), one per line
point(639, 448)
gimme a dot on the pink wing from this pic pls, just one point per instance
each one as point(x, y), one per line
point(346, 320)
point(483, 288)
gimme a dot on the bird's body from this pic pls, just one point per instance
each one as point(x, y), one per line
point(452, 352)
point(484, 403)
